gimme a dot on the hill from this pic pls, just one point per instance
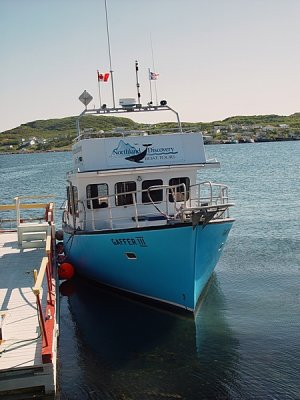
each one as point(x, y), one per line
point(292, 120)
point(58, 134)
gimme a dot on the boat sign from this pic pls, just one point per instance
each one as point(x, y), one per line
point(133, 152)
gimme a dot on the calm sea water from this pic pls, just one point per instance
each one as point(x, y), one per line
point(244, 342)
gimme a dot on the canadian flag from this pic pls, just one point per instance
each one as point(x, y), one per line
point(103, 77)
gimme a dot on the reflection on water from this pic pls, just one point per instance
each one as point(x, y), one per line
point(129, 350)
point(217, 347)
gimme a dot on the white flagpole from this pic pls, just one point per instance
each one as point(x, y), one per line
point(100, 102)
point(154, 69)
point(109, 53)
point(149, 74)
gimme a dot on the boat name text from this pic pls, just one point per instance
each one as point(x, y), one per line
point(132, 151)
point(136, 241)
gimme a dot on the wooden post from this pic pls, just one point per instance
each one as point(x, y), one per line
point(2, 316)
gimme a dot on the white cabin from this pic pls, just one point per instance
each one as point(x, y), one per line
point(135, 179)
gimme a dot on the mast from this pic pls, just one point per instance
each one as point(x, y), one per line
point(109, 54)
point(149, 77)
point(99, 91)
point(137, 82)
point(154, 70)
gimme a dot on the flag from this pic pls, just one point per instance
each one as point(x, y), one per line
point(103, 77)
point(153, 76)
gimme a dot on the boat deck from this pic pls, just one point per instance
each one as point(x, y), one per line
point(21, 341)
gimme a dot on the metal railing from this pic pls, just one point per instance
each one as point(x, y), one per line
point(178, 201)
point(136, 108)
point(122, 132)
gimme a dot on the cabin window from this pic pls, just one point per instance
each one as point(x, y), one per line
point(100, 191)
point(125, 192)
point(155, 195)
point(182, 185)
point(72, 195)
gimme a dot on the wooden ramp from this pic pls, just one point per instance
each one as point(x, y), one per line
point(27, 347)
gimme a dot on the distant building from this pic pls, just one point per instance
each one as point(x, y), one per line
point(33, 141)
point(207, 139)
point(268, 128)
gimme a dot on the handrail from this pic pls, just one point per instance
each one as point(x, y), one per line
point(198, 196)
point(48, 244)
point(129, 132)
point(40, 277)
point(46, 268)
point(6, 207)
point(43, 196)
point(137, 108)
point(19, 206)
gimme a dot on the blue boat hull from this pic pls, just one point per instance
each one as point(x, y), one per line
point(171, 264)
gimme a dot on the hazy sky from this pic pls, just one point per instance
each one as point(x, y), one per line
point(216, 58)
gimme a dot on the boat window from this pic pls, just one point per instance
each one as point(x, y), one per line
point(181, 186)
point(124, 193)
point(72, 196)
point(101, 192)
point(156, 195)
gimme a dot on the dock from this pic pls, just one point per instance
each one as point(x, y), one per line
point(28, 306)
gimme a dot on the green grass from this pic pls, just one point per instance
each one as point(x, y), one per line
point(59, 133)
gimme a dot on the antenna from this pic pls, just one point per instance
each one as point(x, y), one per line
point(109, 53)
point(154, 69)
point(137, 82)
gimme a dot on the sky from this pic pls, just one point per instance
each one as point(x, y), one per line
point(215, 58)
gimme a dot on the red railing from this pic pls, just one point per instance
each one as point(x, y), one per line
point(47, 316)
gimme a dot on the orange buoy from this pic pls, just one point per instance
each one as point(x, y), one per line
point(65, 271)
point(59, 247)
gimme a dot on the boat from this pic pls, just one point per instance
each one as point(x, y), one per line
point(137, 217)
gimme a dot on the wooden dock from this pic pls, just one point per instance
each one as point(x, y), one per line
point(28, 323)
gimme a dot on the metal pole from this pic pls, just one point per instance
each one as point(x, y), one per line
point(137, 82)
point(154, 69)
point(178, 119)
point(100, 102)
point(109, 53)
point(150, 85)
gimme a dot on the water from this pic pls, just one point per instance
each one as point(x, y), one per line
point(244, 342)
